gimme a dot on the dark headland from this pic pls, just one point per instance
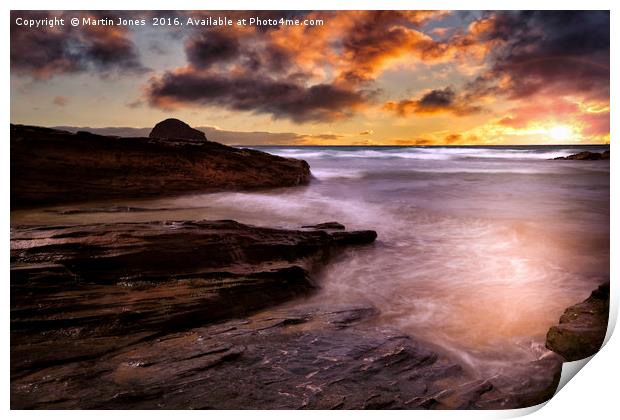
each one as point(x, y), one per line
point(586, 155)
point(182, 313)
point(52, 167)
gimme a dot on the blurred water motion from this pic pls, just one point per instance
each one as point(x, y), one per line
point(480, 250)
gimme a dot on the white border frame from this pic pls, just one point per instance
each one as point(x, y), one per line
point(591, 395)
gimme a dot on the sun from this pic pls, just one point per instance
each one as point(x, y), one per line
point(560, 132)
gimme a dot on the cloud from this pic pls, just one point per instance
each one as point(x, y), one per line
point(555, 52)
point(433, 102)
point(48, 51)
point(453, 138)
point(547, 109)
point(324, 136)
point(257, 93)
point(420, 141)
point(531, 53)
point(134, 104)
point(460, 138)
point(591, 120)
point(520, 55)
point(60, 100)
point(374, 38)
point(332, 72)
point(596, 125)
point(317, 74)
point(367, 133)
point(210, 47)
point(249, 138)
point(250, 69)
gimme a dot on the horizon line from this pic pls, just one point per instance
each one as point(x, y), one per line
point(330, 145)
point(415, 145)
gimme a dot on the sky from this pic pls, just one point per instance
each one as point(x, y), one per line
point(356, 78)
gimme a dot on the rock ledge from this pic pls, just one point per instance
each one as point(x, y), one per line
point(582, 328)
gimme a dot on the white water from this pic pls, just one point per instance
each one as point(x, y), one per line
point(480, 250)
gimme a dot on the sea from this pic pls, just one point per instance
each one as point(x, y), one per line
point(479, 249)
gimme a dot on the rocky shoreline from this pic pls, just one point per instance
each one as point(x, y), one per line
point(79, 292)
point(176, 315)
point(51, 166)
point(188, 314)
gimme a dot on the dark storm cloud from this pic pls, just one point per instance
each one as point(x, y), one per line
point(560, 51)
point(281, 98)
point(438, 98)
point(204, 49)
point(261, 70)
point(209, 47)
point(276, 59)
point(277, 71)
point(45, 52)
point(433, 102)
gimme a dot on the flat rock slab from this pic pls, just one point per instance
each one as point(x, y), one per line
point(320, 358)
point(77, 291)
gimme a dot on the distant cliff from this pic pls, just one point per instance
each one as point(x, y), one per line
point(52, 166)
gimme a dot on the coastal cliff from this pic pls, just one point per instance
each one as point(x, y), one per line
point(51, 167)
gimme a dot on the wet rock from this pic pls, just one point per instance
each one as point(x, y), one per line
point(353, 238)
point(108, 253)
point(81, 292)
point(326, 226)
point(277, 359)
point(115, 209)
point(586, 156)
point(267, 361)
point(350, 316)
point(582, 328)
point(523, 384)
point(172, 128)
point(165, 315)
point(52, 166)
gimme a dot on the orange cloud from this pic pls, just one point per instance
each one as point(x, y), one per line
point(433, 102)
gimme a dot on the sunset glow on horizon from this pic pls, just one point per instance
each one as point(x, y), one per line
point(359, 78)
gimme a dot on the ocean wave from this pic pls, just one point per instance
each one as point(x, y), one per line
point(338, 173)
point(435, 153)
